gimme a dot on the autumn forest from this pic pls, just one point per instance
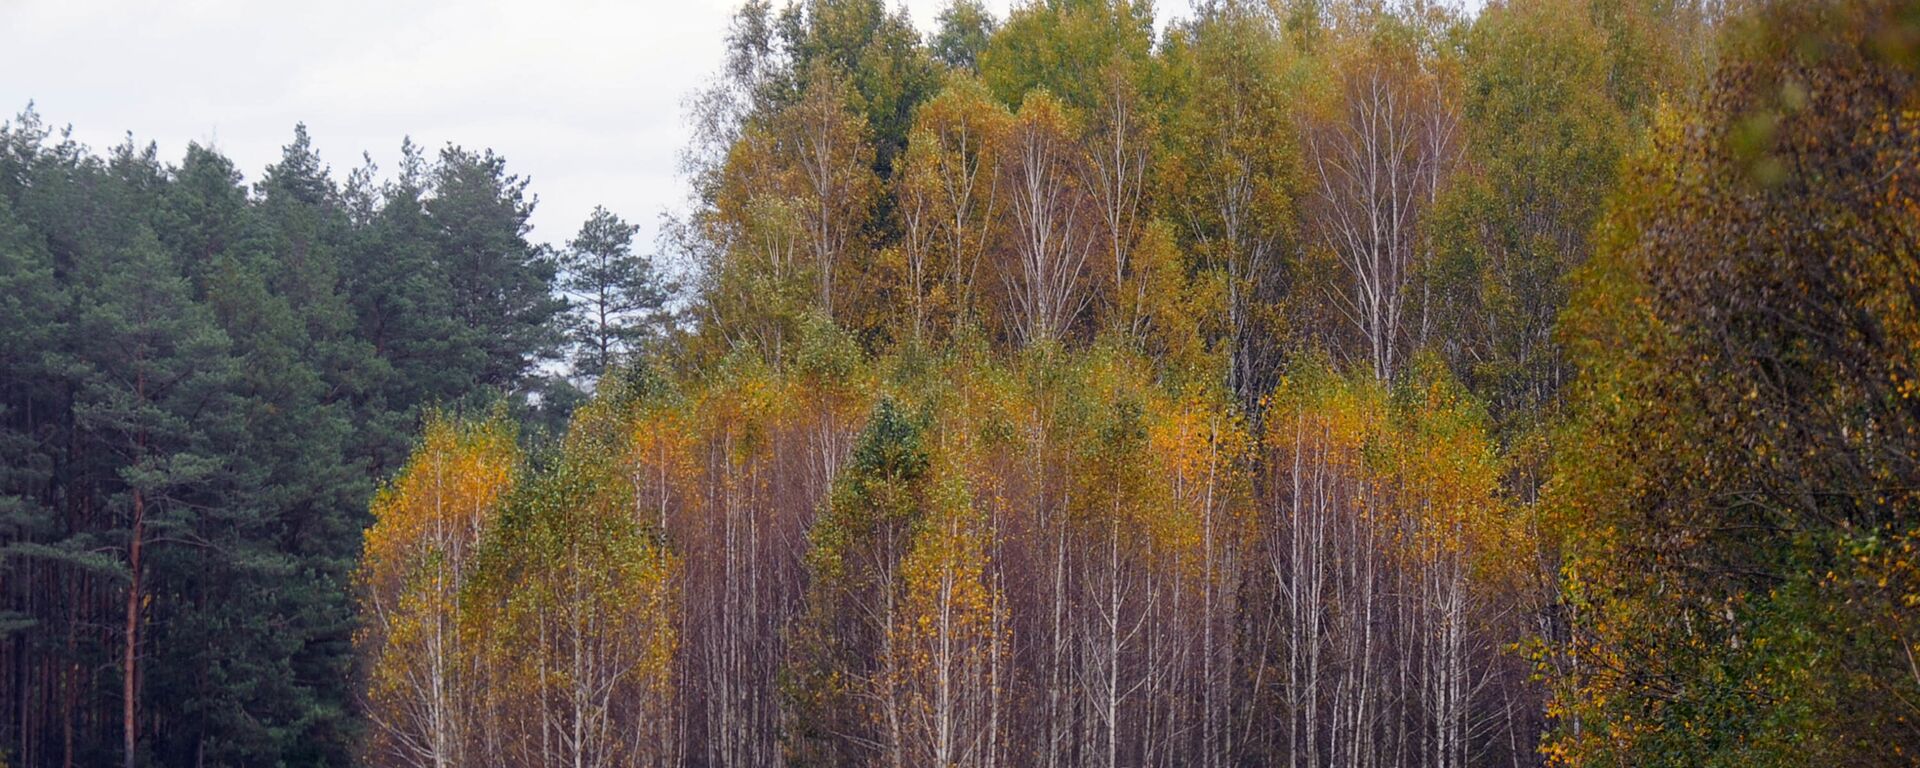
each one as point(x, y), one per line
point(1356, 383)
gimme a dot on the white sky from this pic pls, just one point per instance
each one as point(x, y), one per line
point(582, 96)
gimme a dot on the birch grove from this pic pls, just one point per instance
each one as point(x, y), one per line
point(1098, 423)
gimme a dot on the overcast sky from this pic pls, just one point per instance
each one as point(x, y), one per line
point(582, 96)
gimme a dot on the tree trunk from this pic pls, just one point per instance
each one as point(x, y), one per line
point(129, 662)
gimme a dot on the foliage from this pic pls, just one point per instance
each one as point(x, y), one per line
point(424, 671)
point(617, 299)
point(1735, 489)
point(203, 381)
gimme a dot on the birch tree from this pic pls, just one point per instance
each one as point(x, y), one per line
point(1045, 279)
point(951, 636)
point(1383, 539)
point(1118, 147)
point(829, 153)
point(574, 604)
point(950, 197)
point(1378, 159)
point(1235, 176)
point(422, 694)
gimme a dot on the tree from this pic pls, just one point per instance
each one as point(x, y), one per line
point(965, 27)
point(618, 297)
point(501, 285)
point(1388, 553)
point(951, 638)
point(423, 669)
point(46, 550)
point(738, 469)
point(36, 303)
point(1378, 160)
point(846, 694)
point(1119, 144)
point(1064, 48)
point(1234, 177)
point(875, 56)
point(572, 606)
point(313, 490)
point(191, 418)
point(799, 192)
point(1045, 281)
point(1507, 230)
point(1738, 473)
point(1327, 382)
point(274, 601)
point(949, 196)
point(153, 388)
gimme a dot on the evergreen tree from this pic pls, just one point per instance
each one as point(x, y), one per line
point(154, 411)
point(278, 616)
point(618, 298)
point(402, 298)
point(200, 382)
point(501, 284)
point(34, 306)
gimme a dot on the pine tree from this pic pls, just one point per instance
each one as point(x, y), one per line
point(501, 284)
point(402, 298)
point(154, 407)
point(35, 307)
point(618, 298)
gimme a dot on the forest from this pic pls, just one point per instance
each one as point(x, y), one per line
point(1354, 383)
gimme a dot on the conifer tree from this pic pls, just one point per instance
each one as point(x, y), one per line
point(154, 404)
point(500, 284)
point(618, 298)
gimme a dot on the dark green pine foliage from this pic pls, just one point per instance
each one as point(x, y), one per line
point(257, 663)
point(219, 373)
point(34, 307)
point(154, 424)
point(617, 298)
point(51, 561)
point(501, 284)
point(218, 658)
point(402, 299)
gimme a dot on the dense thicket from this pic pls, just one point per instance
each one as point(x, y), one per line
point(200, 382)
